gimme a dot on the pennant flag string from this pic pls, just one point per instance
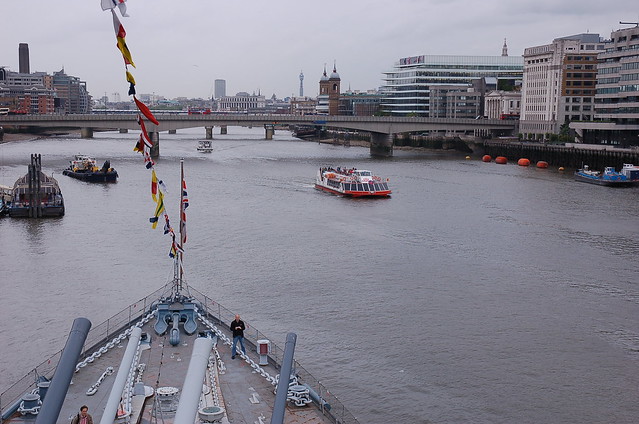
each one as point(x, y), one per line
point(144, 143)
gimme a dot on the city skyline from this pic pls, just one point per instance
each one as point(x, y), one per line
point(180, 49)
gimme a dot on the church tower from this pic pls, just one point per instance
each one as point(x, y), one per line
point(334, 92)
point(322, 99)
point(504, 49)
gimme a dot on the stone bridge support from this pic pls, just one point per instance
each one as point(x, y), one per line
point(155, 139)
point(270, 130)
point(223, 130)
point(209, 133)
point(381, 144)
point(86, 132)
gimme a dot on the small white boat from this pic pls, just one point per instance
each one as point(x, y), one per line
point(631, 172)
point(351, 182)
point(205, 146)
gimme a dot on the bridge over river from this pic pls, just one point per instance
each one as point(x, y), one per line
point(381, 128)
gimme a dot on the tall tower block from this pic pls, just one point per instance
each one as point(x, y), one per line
point(23, 58)
point(219, 88)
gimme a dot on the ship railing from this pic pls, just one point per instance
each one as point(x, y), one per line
point(100, 334)
point(328, 404)
point(97, 336)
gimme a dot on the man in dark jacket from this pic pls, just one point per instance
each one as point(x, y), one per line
point(237, 327)
point(83, 416)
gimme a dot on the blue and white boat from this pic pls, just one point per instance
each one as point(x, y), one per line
point(609, 177)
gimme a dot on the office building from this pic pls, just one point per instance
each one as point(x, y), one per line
point(302, 106)
point(71, 93)
point(559, 84)
point(617, 93)
point(219, 89)
point(358, 103)
point(242, 102)
point(27, 93)
point(500, 104)
point(417, 85)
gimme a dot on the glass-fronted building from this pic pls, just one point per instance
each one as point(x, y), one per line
point(408, 88)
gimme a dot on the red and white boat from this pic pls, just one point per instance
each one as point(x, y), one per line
point(351, 182)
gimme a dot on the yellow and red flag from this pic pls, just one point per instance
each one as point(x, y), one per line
point(120, 34)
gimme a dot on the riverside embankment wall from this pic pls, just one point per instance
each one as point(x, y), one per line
point(569, 156)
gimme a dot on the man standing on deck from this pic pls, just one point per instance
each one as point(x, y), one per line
point(238, 327)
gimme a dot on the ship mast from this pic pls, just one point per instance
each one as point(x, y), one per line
point(182, 234)
point(178, 269)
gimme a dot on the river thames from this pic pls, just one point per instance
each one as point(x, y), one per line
point(477, 293)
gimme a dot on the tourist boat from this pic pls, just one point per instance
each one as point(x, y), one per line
point(167, 358)
point(631, 172)
point(609, 177)
point(85, 168)
point(36, 195)
point(205, 146)
point(351, 182)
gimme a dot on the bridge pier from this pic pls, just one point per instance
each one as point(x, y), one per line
point(270, 130)
point(86, 132)
point(155, 149)
point(223, 130)
point(172, 131)
point(381, 144)
point(209, 133)
point(124, 130)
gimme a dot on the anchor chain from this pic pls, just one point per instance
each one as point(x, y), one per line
point(114, 342)
point(93, 389)
point(127, 394)
point(213, 379)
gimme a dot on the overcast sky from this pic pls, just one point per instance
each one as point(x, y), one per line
point(181, 46)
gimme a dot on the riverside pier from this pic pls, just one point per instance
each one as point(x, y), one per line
point(571, 155)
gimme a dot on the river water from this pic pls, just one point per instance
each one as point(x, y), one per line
point(478, 293)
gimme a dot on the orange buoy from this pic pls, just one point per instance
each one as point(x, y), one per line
point(486, 158)
point(523, 162)
point(542, 164)
point(501, 160)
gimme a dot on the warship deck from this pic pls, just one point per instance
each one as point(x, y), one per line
point(241, 386)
